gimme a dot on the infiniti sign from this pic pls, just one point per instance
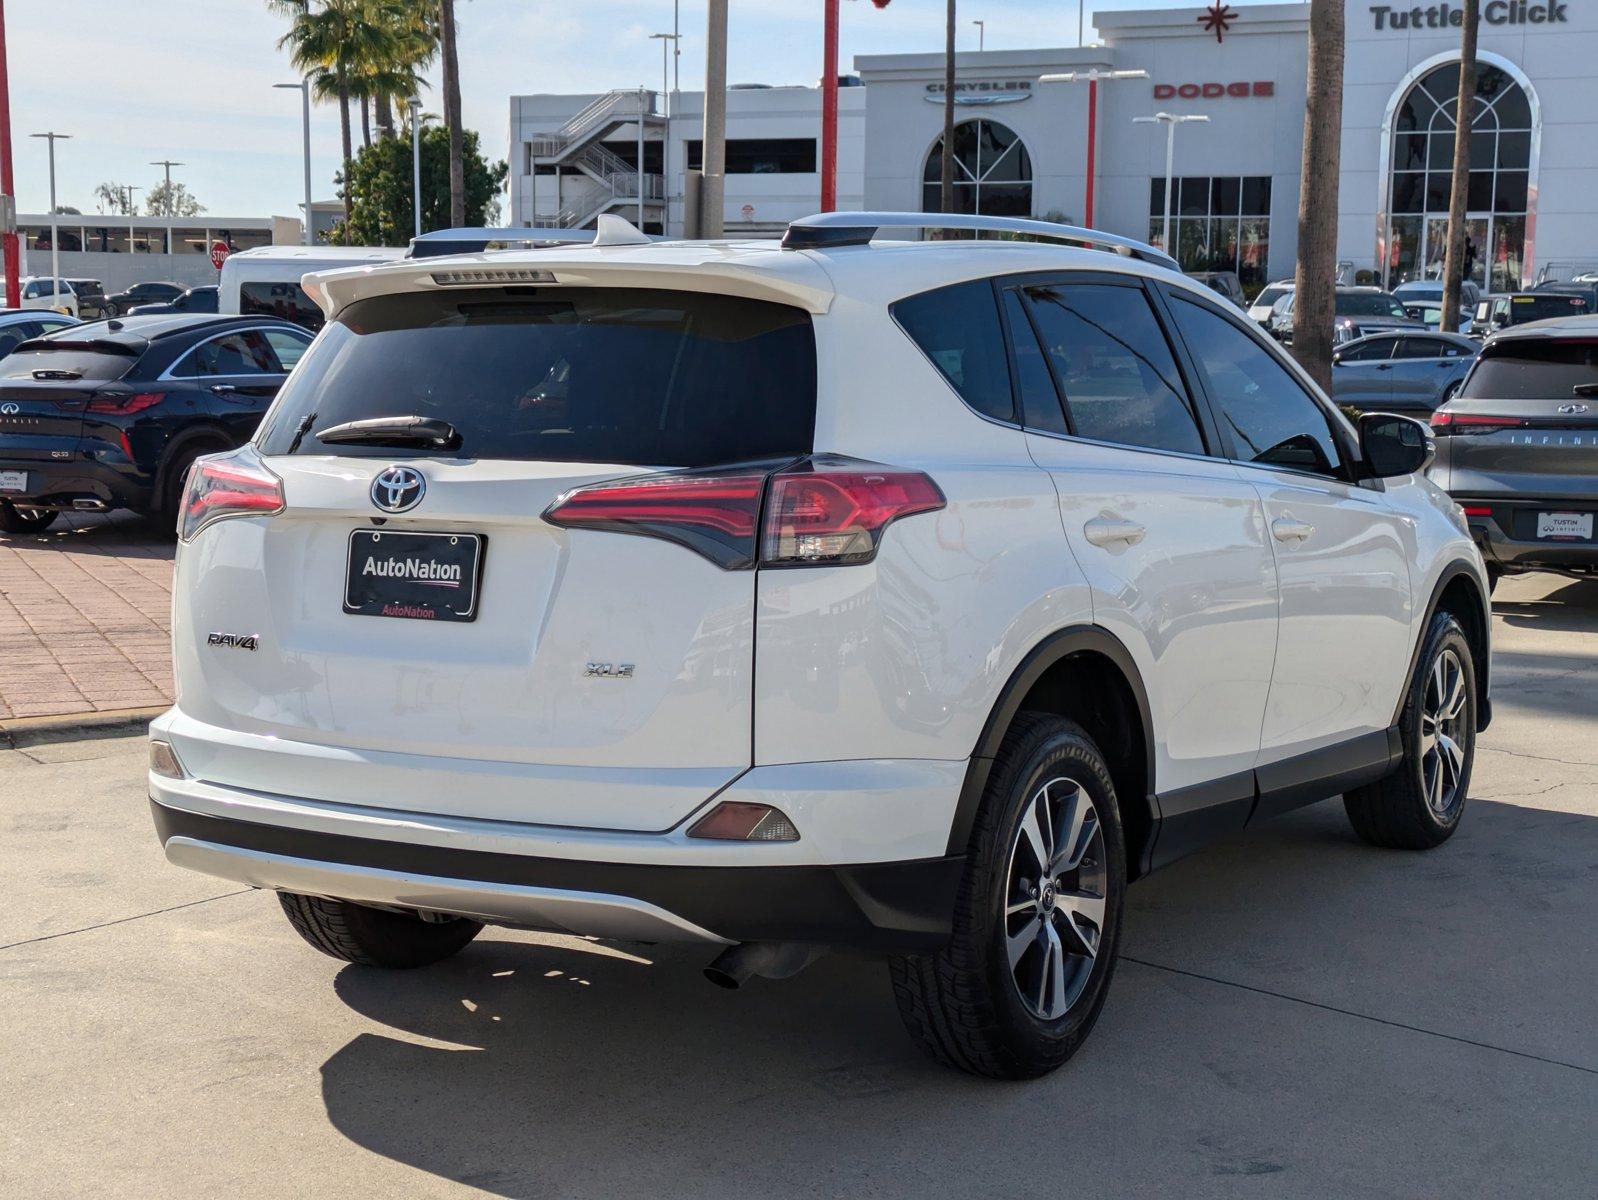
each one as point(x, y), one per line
point(398, 489)
point(10, 408)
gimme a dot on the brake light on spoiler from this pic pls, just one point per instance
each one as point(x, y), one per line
point(220, 486)
point(823, 511)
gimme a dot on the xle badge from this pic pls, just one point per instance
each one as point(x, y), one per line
point(596, 670)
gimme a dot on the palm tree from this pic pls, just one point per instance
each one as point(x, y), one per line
point(452, 112)
point(391, 80)
point(1316, 279)
point(1464, 114)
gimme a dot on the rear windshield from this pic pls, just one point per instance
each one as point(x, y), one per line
point(1549, 304)
point(605, 375)
point(65, 362)
point(1368, 304)
point(286, 301)
point(1550, 370)
point(1271, 295)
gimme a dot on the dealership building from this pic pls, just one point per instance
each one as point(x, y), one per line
point(1021, 145)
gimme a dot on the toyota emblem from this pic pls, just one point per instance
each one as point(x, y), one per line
point(398, 489)
point(10, 408)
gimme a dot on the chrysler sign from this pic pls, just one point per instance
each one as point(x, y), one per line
point(1444, 16)
point(983, 91)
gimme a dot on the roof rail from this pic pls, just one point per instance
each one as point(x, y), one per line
point(474, 240)
point(825, 230)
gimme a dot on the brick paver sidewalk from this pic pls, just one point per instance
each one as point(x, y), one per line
point(85, 618)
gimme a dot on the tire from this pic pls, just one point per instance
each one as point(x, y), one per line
point(25, 520)
point(1420, 804)
point(1494, 574)
point(177, 471)
point(375, 937)
point(964, 1005)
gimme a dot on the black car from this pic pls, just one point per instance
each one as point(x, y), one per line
point(195, 300)
point(149, 292)
point(91, 298)
point(110, 414)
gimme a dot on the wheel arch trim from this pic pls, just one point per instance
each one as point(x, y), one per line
point(1484, 614)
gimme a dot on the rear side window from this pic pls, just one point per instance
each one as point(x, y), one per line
point(958, 329)
point(244, 353)
point(1375, 350)
point(1115, 367)
point(631, 376)
point(1040, 402)
point(286, 301)
point(1528, 370)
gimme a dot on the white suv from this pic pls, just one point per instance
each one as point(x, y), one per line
point(908, 596)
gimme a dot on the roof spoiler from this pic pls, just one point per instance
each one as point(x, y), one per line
point(826, 230)
point(474, 240)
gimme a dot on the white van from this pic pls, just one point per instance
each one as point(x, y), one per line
point(266, 281)
point(51, 295)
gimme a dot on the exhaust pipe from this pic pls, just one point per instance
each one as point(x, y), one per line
point(89, 505)
point(736, 965)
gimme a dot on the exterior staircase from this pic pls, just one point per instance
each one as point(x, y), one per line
point(578, 145)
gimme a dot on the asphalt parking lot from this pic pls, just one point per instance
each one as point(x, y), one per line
point(1297, 1015)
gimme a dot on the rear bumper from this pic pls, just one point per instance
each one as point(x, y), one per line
point(1501, 535)
point(881, 906)
point(78, 482)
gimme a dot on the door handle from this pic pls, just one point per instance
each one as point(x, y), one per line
point(223, 389)
point(1285, 529)
point(1107, 531)
point(1384, 366)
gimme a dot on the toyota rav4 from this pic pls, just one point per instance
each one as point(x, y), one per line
point(910, 596)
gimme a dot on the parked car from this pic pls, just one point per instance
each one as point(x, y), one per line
point(1423, 300)
point(1518, 448)
point(195, 300)
point(1508, 309)
point(1357, 312)
point(1583, 286)
point(266, 281)
point(148, 292)
point(743, 595)
point(110, 414)
point(17, 325)
point(1266, 301)
point(51, 295)
point(91, 298)
point(1410, 373)
point(1223, 283)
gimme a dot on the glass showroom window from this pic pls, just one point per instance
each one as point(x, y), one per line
point(1217, 224)
point(992, 172)
point(1499, 190)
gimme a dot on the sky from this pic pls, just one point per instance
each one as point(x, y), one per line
point(137, 81)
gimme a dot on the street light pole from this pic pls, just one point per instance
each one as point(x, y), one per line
point(168, 164)
point(55, 235)
point(1092, 79)
point(415, 105)
point(1170, 121)
point(304, 87)
point(982, 35)
point(668, 42)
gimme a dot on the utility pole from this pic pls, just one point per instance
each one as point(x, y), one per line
point(642, 93)
point(7, 186)
point(415, 105)
point(713, 163)
point(829, 106)
point(304, 87)
point(55, 234)
point(946, 191)
point(168, 164)
point(1170, 121)
point(1464, 109)
point(982, 35)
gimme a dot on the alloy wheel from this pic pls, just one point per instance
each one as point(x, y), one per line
point(1444, 734)
point(1055, 898)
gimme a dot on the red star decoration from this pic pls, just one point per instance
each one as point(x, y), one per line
point(1217, 19)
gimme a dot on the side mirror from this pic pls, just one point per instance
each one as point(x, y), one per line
point(1393, 445)
point(1337, 358)
point(1500, 319)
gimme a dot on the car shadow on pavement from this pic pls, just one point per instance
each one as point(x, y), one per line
point(119, 534)
point(1290, 951)
point(1572, 608)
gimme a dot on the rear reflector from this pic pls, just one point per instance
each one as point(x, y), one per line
point(228, 485)
point(164, 760)
point(824, 511)
point(735, 821)
point(1476, 510)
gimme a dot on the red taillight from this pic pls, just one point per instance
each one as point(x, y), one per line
point(123, 405)
point(1475, 510)
point(1445, 422)
point(827, 511)
point(229, 485)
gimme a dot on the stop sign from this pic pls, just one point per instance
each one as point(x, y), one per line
point(219, 253)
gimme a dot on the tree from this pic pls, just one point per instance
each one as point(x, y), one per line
point(66, 210)
point(113, 198)
point(1316, 279)
point(380, 189)
point(452, 112)
point(948, 113)
point(413, 32)
point(1464, 114)
point(183, 203)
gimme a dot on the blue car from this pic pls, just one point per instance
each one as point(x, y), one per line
point(1408, 373)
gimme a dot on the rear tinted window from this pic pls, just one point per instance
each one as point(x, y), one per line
point(66, 363)
point(958, 329)
point(1551, 304)
point(1367, 304)
point(286, 301)
point(1271, 295)
point(605, 375)
point(1533, 371)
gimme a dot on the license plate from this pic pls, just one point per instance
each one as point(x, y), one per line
point(13, 481)
point(413, 576)
point(1568, 527)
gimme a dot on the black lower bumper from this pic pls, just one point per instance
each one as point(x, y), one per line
point(65, 483)
point(1508, 538)
point(881, 906)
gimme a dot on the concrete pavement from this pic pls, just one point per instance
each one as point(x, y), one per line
point(1296, 1015)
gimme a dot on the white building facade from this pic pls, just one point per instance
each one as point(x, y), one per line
point(1021, 145)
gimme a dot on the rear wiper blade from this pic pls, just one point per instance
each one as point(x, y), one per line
point(1585, 389)
point(393, 431)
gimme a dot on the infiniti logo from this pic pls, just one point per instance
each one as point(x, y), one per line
point(10, 409)
point(398, 489)
point(1567, 409)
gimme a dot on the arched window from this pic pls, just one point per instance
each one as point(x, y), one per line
point(1500, 190)
point(992, 172)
